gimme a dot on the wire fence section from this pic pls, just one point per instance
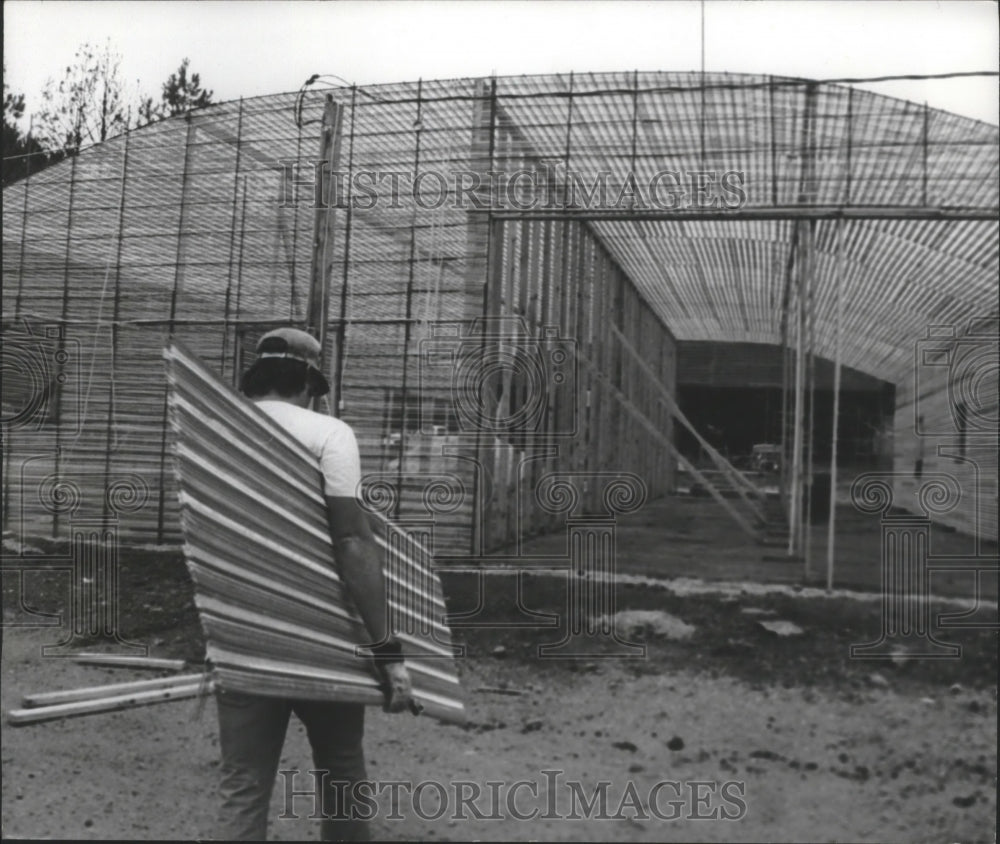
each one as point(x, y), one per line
point(542, 202)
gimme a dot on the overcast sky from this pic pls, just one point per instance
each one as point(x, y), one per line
point(250, 48)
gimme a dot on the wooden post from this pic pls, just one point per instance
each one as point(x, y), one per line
point(338, 380)
point(318, 307)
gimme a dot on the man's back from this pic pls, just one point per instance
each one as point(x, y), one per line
point(330, 440)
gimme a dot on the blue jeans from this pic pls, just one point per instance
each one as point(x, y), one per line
point(251, 736)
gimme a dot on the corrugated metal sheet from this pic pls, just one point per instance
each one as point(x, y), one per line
point(275, 616)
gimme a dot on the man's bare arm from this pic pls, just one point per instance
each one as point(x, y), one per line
point(358, 563)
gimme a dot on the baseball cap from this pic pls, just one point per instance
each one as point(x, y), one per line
point(295, 344)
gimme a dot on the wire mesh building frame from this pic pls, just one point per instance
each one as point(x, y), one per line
point(462, 199)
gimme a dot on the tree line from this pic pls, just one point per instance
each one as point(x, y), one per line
point(88, 105)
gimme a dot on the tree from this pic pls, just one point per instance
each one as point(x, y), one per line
point(21, 153)
point(179, 94)
point(88, 104)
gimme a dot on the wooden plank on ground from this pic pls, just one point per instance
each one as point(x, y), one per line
point(115, 703)
point(146, 662)
point(33, 701)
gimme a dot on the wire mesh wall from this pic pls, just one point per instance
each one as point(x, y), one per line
point(204, 227)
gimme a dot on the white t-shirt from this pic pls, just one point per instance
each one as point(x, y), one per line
point(329, 439)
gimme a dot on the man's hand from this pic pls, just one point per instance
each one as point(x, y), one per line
point(398, 688)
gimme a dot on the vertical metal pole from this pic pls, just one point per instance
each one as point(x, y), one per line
point(232, 238)
point(24, 233)
point(109, 443)
point(494, 247)
point(567, 149)
point(795, 505)
point(811, 413)
point(850, 101)
point(58, 385)
point(924, 193)
point(404, 398)
point(791, 267)
point(702, 127)
point(774, 153)
point(8, 443)
point(239, 256)
point(178, 275)
point(783, 418)
point(836, 411)
point(292, 291)
point(785, 405)
point(635, 121)
point(807, 193)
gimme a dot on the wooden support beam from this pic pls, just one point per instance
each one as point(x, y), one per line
point(318, 308)
point(768, 212)
point(643, 420)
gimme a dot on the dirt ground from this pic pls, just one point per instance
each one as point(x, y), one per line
point(773, 737)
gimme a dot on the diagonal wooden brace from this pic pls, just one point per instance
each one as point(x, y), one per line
point(740, 483)
point(662, 438)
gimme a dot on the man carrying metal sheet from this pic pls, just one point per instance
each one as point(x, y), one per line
point(282, 381)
